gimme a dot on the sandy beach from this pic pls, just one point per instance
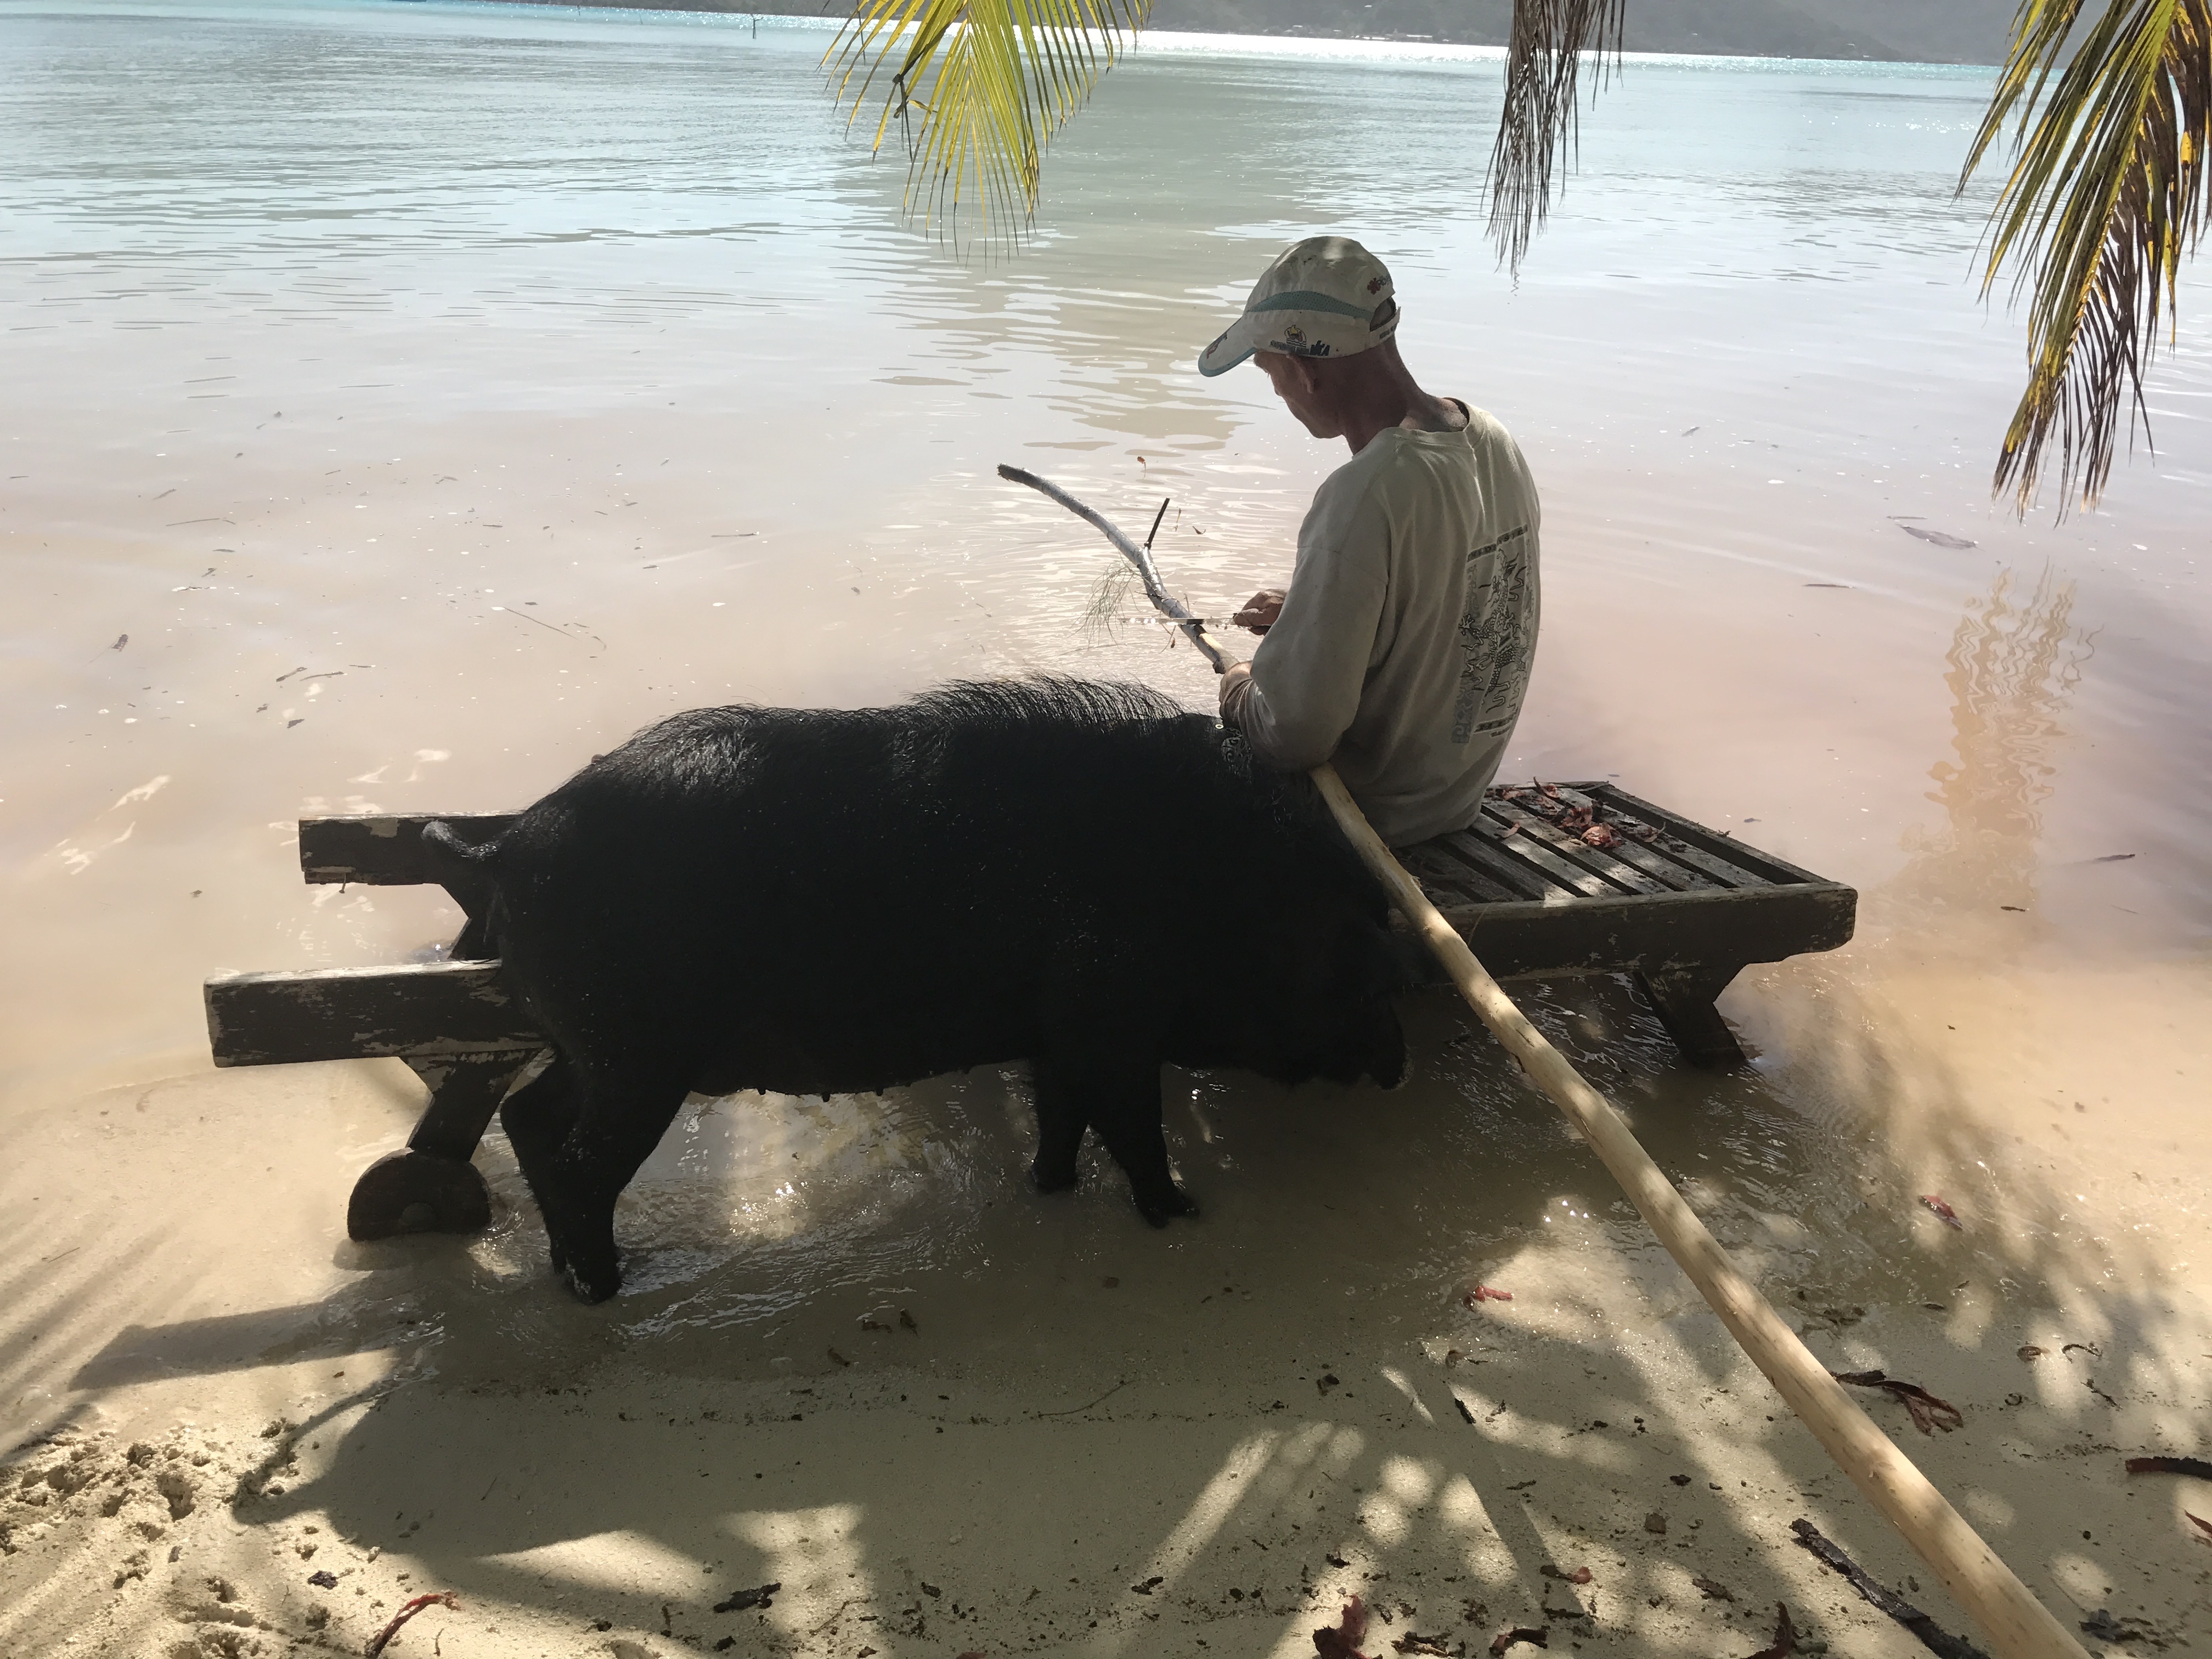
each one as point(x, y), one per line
point(357, 475)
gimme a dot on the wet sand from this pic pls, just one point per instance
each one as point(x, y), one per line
point(414, 476)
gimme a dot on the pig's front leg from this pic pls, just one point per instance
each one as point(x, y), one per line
point(1117, 1094)
point(1059, 1131)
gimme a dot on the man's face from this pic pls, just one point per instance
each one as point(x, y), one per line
point(1299, 388)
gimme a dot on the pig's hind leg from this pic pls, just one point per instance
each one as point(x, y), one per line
point(1119, 1095)
point(537, 1117)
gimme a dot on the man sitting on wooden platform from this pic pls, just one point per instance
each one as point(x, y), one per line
point(1402, 648)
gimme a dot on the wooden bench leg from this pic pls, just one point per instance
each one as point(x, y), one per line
point(432, 1186)
point(1683, 999)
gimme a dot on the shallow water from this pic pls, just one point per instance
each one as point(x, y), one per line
point(404, 404)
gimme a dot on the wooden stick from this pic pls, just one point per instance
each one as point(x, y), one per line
point(2019, 1625)
point(1163, 601)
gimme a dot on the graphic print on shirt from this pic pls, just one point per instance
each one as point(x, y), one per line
point(1496, 634)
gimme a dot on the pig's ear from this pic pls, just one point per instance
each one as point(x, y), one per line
point(1411, 962)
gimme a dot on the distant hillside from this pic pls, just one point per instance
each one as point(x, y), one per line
point(1915, 30)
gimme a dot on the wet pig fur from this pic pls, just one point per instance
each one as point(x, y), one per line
point(815, 902)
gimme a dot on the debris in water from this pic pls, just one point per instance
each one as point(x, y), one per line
point(1465, 1416)
point(1342, 1639)
point(1937, 537)
point(1655, 1523)
point(1929, 1413)
point(2029, 1351)
point(1713, 1590)
point(2089, 1348)
point(906, 1319)
point(740, 1601)
point(1933, 1637)
point(838, 1358)
point(2194, 1466)
point(2105, 1628)
point(2200, 1523)
point(1680, 1479)
point(325, 1579)
point(1534, 1639)
point(2113, 858)
point(441, 1599)
point(1948, 1216)
point(1579, 1575)
point(870, 1323)
point(1410, 1642)
point(1844, 585)
point(1484, 1293)
point(1149, 1585)
point(121, 640)
point(1785, 1636)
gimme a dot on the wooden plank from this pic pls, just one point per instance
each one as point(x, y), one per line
point(1735, 853)
point(1598, 860)
point(349, 1013)
point(384, 849)
point(1438, 872)
point(1483, 856)
point(1658, 933)
point(1526, 850)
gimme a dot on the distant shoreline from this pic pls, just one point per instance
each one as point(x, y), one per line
point(1787, 34)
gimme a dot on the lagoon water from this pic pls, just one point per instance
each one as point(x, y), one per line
point(403, 403)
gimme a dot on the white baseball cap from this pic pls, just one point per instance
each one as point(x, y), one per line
point(1324, 297)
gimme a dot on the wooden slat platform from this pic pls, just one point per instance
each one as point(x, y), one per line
point(1532, 898)
point(1680, 907)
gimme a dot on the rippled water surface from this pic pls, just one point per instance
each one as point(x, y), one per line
point(404, 403)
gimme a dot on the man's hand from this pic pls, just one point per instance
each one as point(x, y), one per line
point(1261, 611)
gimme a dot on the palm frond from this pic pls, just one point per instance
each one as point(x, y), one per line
point(1541, 115)
point(977, 88)
point(2107, 191)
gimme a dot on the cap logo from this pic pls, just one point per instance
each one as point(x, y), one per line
point(1374, 284)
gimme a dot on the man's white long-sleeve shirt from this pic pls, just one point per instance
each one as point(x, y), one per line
point(1404, 648)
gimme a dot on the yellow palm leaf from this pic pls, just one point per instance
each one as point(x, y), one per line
point(977, 89)
point(2107, 191)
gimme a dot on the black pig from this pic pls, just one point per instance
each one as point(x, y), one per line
point(819, 901)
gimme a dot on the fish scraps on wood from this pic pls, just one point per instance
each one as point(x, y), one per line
point(1341, 1640)
point(439, 1599)
point(1932, 1636)
point(1785, 1635)
point(1929, 1413)
point(2195, 1467)
point(1948, 1216)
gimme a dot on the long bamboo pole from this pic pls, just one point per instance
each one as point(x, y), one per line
point(2018, 1625)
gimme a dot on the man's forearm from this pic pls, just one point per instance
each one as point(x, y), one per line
point(1244, 707)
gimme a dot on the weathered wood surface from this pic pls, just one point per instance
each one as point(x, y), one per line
point(383, 849)
point(1532, 898)
point(420, 1011)
point(1652, 933)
